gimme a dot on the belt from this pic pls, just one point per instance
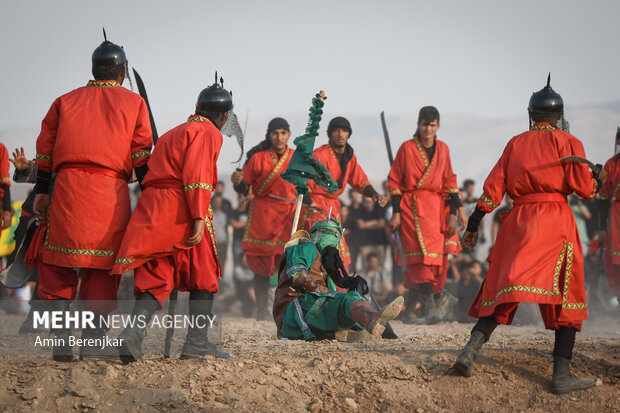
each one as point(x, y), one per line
point(95, 169)
point(537, 198)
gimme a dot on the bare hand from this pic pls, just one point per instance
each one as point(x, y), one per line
point(451, 225)
point(197, 232)
point(19, 160)
point(380, 199)
point(7, 218)
point(601, 236)
point(470, 239)
point(463, 218)
point(236, 177)
point(41, 206)
point(395, 222)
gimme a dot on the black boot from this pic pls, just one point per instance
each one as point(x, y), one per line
point(563, 381)
point(61, 351)
point(96, 333)
point(27, 326)
point(431, 314)
point(445, 302)
point(480, 334)
point(409, 316)
point(197, 341)
point(261, 291)
point(130, 348)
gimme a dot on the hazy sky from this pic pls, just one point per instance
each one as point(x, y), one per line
point(481, 58)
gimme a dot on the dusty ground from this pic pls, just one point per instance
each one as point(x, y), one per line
point(264, 374)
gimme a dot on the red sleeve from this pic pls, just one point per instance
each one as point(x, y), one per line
point(142, 137)
point(5, 177)
point(495, 184)
point(47, 138)
point(578, 175)
point(251, 170)
point(607, 190)
point(200, 172)
point(358, 178)
point(450, 184)
point(395, 177)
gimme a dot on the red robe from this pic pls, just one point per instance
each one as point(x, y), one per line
point(182, 175)
point(91, 138)
point(422, 207)
point(611, 191)
point(354, 176)
point(537, 256)
point(269, 219)
point(5, 176)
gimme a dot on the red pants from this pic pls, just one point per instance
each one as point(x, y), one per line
point(504, 313)
point(193, 269)
point(419, 273)
point(613, 275)
point(98, 288)
point(263, 265)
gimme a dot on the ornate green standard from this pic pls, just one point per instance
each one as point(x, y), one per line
point(303, 166)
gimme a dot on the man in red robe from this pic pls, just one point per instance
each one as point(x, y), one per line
point(5, 192)
point(610, 212)
point(92, 138)
point(537, 256)
point(420, 175)
point(170, 240)
point(342, 165)
point(269, 219)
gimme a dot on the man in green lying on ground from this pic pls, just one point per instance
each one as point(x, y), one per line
point(307, 304)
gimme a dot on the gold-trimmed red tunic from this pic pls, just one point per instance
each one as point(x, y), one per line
point(354, 175)
point(537, 256)
point(611, 191)
point(422, 183)
point(92, 138)
point(182, 175)
point(269, 219)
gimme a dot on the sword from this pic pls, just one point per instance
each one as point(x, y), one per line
point(388, 146)
point(279, 198)
point(575, 158)
point(142, 91)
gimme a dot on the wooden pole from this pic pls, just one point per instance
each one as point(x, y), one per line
point(300, 199)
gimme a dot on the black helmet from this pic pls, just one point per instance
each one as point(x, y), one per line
point(108, 54)
point(546, 100)
point(214, 98)
point(339, 122)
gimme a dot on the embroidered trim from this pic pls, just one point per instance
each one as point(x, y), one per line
point(364, 185)
point(616, 190)
point(142, 154)
point(73, 251)
point(453, 191)
point(344, 252)
point(103, 83)
point(450, 242)
point(418, 230)
point(5, 179)
point(542, 126)
point(484, 198)
point(422, 151)
point(246, 234)
point(276, 169)
point(396, 192)
point(594, 190)
point(124, 261)
point(274, 158)
point(197, 185)
point(211, 232)
point(44, 157)
point(197, 118)
point(566, 253)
